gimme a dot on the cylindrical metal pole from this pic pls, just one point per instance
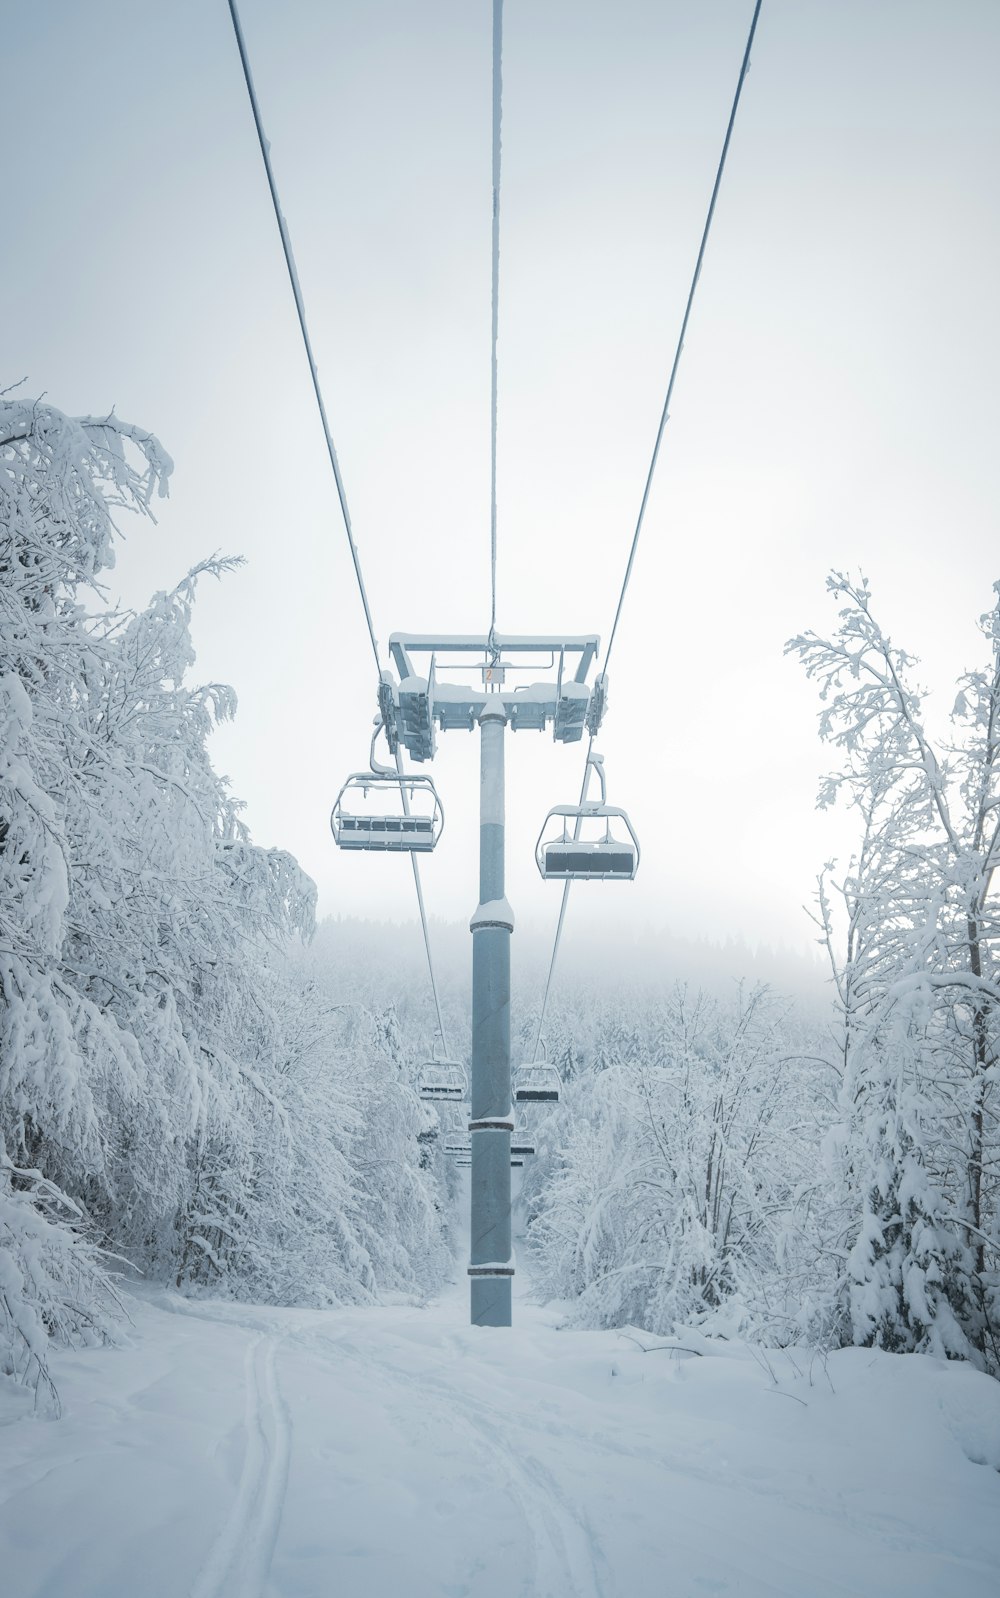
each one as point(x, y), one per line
point(490, 1264)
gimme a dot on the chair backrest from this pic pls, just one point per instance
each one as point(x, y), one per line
point(568, 856)
point(575, 859)
point(442, 1082)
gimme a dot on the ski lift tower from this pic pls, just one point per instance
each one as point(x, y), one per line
point(414, 706)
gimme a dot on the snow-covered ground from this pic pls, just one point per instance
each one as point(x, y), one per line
point(233, 1452)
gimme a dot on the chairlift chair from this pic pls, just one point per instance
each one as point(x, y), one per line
point(536, 1082)
point(567, 857)
point(396, 828)
point(521, 1141)
point(570, 857)
point(443, 1082)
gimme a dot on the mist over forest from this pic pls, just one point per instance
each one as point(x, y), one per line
point(390, 956)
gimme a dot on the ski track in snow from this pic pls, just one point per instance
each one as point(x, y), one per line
point(565, 1556)
point(431, 1396)
point(239, 1561)
point(564, 1553)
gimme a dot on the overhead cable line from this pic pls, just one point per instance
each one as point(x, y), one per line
point(664, 418)
point(497, 93)
point(665, 415)
point(423, 913)
point(293, 278)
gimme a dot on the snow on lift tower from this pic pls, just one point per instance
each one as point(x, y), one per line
point(395, 827)
point(569, 857)
point(536, 1082)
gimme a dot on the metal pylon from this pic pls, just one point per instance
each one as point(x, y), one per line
point(413, 710)
point(490, 1267)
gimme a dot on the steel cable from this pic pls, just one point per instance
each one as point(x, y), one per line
point(293, 278)
point(495, 307)
point(664, 418)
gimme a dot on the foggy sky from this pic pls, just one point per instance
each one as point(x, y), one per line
point(836, 404)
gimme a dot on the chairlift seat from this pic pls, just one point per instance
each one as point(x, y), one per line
point(396, 830)
point(589, 860)
point(440, 1092)
point(387, 832)
point(569, 858)
point(536, 1084)
point(442, 1082)
point(522, 1147)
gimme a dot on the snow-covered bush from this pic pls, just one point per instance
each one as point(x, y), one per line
point(53, 1282)
point(673, 1189)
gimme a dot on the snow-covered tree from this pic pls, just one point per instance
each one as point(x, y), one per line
point(60, 1058)
point(918, 986)
point(169, 1089)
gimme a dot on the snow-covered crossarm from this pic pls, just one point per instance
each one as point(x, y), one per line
point(415, 705)
point(402, 645)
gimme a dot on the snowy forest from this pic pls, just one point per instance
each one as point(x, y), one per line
point(199, 1087)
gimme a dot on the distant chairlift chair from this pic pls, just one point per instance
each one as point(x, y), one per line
point(535, 1082)
point(568, 856)
point(443, 1082)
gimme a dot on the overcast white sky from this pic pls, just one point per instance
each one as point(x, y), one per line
point(837, 402)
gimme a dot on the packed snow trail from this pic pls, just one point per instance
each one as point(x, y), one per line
point(241, 1452)
point(241, 1557)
